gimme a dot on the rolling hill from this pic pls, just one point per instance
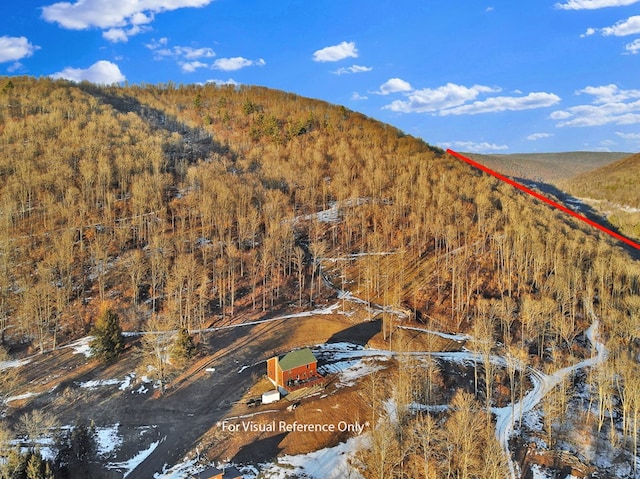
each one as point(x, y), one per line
point(547, 167)
point(616, 182)
point(613, 191)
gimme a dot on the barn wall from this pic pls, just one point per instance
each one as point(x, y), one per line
point(273, 371)
point(301, 372)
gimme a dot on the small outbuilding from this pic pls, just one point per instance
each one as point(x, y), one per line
point(294, 370)
point(270, 396)
point(215, 473)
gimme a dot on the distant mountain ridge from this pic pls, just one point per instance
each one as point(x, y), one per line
point(605, 181)
point(616, 182)
point(548, 167)
point(613, 191)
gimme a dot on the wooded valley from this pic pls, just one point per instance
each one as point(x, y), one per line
point(183, 207)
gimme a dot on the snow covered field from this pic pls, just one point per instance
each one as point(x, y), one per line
point(328, 463)
point(350, 361)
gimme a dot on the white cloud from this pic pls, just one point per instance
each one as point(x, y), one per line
point(589, 115)
point(15, 48)
point(628, 136)
point(539, 136)
point(103, 72)
point(15, 67)
point(609, 93)
point(236, 63)
point(157, 44)
point(474, 147)
point(394, 85)
point(230, 81)
point(189, 58)
point(505, 103)
point(630, 26)
point(116, 35)
point(141, 18)
point(190, 67)
point(438, 99)
point(193, 53)
point(560, 115)
point(352, 69)
point(452, 99)
point(336, 53)
point(610, 105)
point(118, 17)
point(594, 4)
point(623, 28)
point(357, 97)
point(160, 50)
point(634, 47)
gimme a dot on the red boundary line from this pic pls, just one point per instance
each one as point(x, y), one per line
point(537, 195)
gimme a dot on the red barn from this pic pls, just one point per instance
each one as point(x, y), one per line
point(294, 370)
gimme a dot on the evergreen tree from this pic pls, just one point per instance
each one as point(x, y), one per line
point(183, 347)
point(14, 465)
point(76, 450)
point(35, 467)
point(108, 342)
point(83, 442)
point(26, 465)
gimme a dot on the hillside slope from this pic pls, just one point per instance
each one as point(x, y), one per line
point(547, 167)
point(613, 191)
point(258, 222)
point(616, 182)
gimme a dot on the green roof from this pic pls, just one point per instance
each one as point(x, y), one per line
point(297, 358)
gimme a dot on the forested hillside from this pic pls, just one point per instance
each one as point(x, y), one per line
point(615, 182)
point(612, 190)
point(548, 167)
point(187, 206)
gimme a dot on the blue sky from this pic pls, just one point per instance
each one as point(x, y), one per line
point(498, 76)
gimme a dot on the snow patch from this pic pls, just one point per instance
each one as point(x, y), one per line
point(330, 215)
point(96, 383)
point(328, 463)
point(141, 390)
point(20, 397)
point(179, 471)
point(349, 360)
point(455, 337)
point(14, 363)
point(351, 371)
point(127, 467)
point(107, 439)
point(82, 346)
point(122, 384)
point(127, 381)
